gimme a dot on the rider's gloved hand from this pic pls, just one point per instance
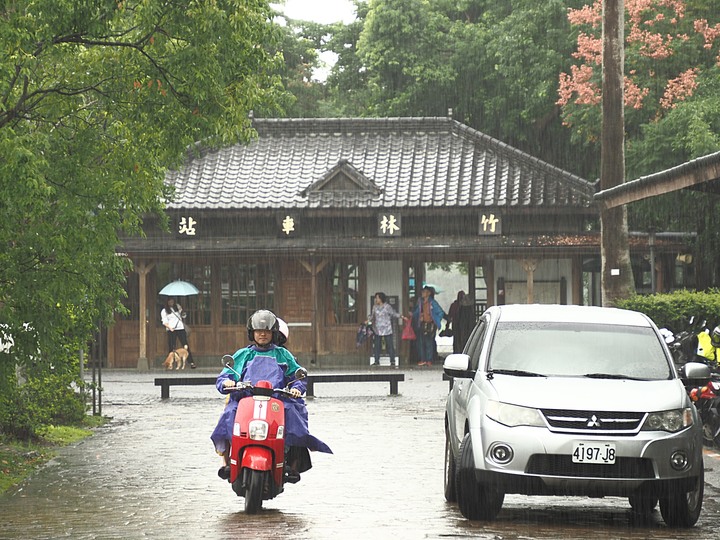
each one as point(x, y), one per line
point(294, 392)
point(229, 383)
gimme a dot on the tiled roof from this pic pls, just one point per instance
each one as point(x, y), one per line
point(372, 163)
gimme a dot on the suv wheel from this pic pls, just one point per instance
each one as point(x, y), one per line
point(450, 471)
point(682, 509)
point(643, 504)
point(476, 500)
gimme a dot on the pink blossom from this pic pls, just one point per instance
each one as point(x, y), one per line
point(679, 88)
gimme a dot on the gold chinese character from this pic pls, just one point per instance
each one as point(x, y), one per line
point(388, 225)
point(488, 223)
point(288, 225)
point(187, 226)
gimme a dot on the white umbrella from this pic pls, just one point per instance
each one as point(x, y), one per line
point(179, 288)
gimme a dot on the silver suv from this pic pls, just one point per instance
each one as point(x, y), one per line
point(571, 400)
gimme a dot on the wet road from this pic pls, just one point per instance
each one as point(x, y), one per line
point(152, 473)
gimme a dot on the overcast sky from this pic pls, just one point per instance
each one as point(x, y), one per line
point(322, 11)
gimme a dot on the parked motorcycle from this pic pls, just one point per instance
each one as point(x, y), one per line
point(707, 402)
point(684, 344)
point(257, 451)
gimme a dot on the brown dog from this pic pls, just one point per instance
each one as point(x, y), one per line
point(178, 356)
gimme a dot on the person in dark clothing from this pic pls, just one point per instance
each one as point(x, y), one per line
point(461, 319)
point(465, 322)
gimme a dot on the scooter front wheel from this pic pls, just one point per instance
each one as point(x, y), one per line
point(254, 491)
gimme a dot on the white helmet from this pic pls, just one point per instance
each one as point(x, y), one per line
point(283, 332)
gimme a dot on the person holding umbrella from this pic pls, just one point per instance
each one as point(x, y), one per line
point(172, 318)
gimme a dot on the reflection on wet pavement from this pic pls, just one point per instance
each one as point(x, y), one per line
point(152, 473)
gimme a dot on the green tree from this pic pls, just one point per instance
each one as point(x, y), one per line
point(348, 81)
point(494, 64)
point(97, 99)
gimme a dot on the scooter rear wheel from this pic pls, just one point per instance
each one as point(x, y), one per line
point(254, 491)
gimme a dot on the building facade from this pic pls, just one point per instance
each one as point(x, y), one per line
point(315, 215)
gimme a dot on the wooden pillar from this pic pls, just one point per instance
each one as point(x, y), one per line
point(317, 319)
point(143, 270)
point(530, 265)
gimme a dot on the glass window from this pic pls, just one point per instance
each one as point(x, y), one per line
point(245, 289)
point(346, 283)
point(576, 350)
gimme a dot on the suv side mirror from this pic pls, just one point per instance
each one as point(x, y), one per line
point(695, 371)
point(458, 365)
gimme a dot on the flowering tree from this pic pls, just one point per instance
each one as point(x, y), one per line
point(667, 48)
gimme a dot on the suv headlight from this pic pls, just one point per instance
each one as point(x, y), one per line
point(513, 415)
point(671, 421)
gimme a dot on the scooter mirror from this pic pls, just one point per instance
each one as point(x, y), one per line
point(227, 359)
point(301, 373)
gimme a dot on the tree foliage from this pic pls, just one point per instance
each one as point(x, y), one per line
point(97, 99)
point(494, 64)
point(672, 106)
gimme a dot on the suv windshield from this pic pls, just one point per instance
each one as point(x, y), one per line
point(579, 350)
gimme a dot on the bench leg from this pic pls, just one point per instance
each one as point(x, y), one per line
point(394, 388)
point(309, 388)
point(165, 391)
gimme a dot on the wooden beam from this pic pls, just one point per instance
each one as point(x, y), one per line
point(658, 184)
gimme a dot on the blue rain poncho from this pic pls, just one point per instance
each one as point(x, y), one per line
point(277, 365)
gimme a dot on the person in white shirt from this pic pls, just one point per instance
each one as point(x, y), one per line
point(172, 318)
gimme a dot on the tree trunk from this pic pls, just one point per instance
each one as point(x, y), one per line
point(617, 277)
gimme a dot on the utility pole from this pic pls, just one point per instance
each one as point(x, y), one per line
point(617, 276)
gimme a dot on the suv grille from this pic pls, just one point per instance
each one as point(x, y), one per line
point(556, 465)
point(620, 423)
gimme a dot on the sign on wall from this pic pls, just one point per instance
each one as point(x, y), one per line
point(288, 226)
point(490, 223)
point(389, 225)
point(186, 226)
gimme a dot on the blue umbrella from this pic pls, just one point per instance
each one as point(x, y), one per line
point(179, 288)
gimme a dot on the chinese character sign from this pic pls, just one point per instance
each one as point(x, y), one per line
point(389, 225)
point(490, 223)
point(288, 225)
point(186, 226)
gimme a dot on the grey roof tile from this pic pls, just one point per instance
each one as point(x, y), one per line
point(413, 162)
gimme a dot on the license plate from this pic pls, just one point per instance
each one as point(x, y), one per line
point(590, 452)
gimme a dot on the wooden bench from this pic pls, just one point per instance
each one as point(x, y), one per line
point(393, 378)
point(166, 382)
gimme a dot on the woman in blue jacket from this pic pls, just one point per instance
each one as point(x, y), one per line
point(429, 315)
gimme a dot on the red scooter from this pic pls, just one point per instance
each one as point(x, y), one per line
point(257, 449)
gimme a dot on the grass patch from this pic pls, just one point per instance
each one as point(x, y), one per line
point(19, 459)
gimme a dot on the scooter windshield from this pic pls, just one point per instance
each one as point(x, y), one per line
point(264, 368)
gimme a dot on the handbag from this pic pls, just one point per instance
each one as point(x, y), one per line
point(408, 333)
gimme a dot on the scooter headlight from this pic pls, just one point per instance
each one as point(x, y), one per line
point(258, 430)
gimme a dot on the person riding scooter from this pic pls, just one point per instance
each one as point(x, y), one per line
point(263, 332)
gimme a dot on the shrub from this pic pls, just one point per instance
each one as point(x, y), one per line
point(42, 400)
point(674, 310)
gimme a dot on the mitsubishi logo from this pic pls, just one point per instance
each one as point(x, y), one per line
point(593, 422)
